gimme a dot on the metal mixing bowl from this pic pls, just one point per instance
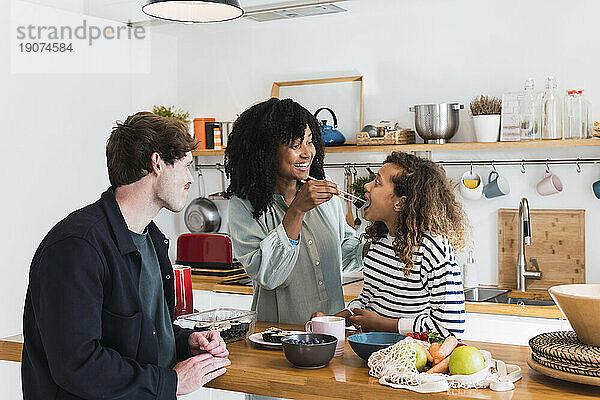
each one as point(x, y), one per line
point(309, 355)
point(436, 123)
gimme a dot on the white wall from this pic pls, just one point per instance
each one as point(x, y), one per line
point(53, 135)
point(409, 53)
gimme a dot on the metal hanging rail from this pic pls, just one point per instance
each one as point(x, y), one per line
point(559, 161)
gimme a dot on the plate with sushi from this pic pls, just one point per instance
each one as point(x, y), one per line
point(271, 337)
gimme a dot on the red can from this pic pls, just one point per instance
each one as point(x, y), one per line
point(184, 299)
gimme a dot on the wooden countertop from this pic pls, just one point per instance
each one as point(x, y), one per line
point(352, 290)
point(266, 372)
point(11, 348)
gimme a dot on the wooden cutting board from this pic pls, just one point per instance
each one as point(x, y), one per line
point(557, 242)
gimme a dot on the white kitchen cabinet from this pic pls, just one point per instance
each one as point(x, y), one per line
point(202, 299)
point(509, 329)
point(241, 301)
point(205, 300)
point(10, 380)
point(212, 394)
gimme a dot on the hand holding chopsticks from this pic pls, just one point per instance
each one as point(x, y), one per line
point(357, 201)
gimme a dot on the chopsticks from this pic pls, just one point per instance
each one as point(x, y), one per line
point(357, 201)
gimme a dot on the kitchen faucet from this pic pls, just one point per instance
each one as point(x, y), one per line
point(524, 239)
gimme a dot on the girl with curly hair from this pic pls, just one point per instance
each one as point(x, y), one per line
point(412, 281)
point(290, 234)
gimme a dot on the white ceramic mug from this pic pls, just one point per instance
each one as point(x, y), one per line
point(551, 184)
point(471, 193)
point(330, 325)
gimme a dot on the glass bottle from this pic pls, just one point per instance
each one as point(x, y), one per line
point(577, 130)
point(572, 121)
point(528, 109)
point(586, 111)
point(552, 110)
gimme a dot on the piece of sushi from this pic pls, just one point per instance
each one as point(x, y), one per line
point(274, 335)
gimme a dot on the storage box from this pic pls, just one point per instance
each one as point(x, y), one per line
point(200, 132)
point(232, 324)
point(390, 137)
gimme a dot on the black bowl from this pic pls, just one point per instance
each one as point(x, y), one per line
point(302, 352)
point(365, 344)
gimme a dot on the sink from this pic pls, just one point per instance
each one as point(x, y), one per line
point(478, 294)
point(495, 295)
point(521, 301)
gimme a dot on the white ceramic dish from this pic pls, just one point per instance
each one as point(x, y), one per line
point(257, 338)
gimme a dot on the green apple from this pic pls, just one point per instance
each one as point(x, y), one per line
point(421, 356)
point(466, 360)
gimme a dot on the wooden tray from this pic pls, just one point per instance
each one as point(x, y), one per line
point(390, 137)
point(557, 242)
point(565, 376)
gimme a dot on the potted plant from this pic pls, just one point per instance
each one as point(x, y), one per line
point(486, 118)
point(172, 112)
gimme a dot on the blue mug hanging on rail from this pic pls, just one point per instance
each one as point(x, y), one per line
point(331, 136)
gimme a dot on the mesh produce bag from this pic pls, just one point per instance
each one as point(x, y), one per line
point(394, 366)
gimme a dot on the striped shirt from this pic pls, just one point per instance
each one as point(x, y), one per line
point(430, 298)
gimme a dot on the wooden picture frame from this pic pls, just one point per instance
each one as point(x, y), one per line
point(277, 85)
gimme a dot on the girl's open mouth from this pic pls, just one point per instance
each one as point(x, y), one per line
point(366, 204)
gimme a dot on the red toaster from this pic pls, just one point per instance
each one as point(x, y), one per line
point(206, 251)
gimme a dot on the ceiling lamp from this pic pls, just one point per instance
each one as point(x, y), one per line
point(193, 10)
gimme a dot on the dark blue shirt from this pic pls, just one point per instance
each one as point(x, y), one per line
point(86, 335)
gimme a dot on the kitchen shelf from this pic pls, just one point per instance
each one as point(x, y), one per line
point(208, 152)
point(466, 146)
point(535, 144)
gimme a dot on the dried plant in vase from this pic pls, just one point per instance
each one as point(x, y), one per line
point(486, 117)
point(486, 105)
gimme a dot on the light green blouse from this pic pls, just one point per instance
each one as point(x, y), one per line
point(293, 281)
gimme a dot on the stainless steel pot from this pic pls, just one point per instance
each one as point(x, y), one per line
point(202, 215)
point(436, 123)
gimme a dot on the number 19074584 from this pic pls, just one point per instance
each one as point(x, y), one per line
point(40, 47)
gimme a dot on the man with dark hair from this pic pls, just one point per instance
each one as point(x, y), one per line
point(99, 307)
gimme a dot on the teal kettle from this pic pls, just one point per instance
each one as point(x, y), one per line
point(331, 136)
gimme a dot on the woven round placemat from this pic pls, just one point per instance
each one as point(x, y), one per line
point(565, 376)
point(564, 348)
point(566, 367)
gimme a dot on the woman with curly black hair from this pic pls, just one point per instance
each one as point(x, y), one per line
point(288, 231)
point(412, 281)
